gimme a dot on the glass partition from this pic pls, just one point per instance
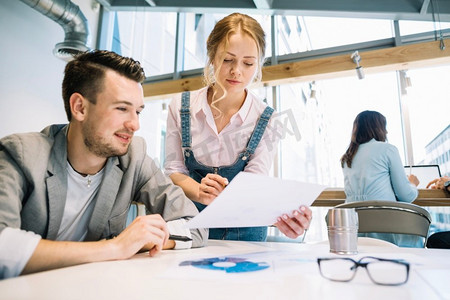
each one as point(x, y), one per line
point(316, 116)
point(197, 29)
point(324, 112)
point(413, 27)
point(429, 105)
point(299, 34)
point(135, 35)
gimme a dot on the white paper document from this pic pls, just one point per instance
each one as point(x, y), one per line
point(255, 200)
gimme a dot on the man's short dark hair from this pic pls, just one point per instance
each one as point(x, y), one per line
point(86, 72)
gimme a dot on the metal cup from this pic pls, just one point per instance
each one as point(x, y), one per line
point(343, 230)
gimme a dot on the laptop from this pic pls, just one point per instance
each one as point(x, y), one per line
point(425, 173)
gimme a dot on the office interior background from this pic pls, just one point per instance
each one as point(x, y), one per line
point(316, 112)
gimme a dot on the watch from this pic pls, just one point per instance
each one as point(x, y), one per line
point(447, 185)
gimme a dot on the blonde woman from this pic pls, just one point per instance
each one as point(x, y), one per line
point(218, 131)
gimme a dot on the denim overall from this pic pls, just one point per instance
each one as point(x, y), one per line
point(197, 170)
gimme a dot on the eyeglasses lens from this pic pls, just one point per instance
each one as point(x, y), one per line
point(387, 272)
point(337, 269)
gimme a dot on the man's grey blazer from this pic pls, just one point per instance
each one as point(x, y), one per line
point(33, 187)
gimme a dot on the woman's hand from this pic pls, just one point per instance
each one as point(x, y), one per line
point(294, 226)
point(210, 187)
point(413, 179)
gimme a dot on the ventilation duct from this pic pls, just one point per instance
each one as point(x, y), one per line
point(72, 20)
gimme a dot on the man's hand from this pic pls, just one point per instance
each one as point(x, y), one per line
point(438, 183)
point(148, 232)
point(210, 187)
point(294, 226)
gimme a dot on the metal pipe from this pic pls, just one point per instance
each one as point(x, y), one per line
point(72, 20)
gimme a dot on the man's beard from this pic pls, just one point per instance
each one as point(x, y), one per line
point(99, 146)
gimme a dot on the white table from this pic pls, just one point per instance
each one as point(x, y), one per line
point(142, 277)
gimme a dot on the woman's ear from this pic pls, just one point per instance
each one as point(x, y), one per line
point(78, 106)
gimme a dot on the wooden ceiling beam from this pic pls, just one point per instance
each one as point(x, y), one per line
point(374, 61)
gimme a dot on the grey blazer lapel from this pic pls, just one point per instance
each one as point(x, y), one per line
point(57, 183)
point(105, 199)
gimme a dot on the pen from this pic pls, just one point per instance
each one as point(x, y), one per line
point(179, 238)
point(304, 235)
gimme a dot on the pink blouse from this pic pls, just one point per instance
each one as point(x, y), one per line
point(219, 149)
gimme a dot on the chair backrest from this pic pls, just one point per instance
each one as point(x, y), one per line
point(390, 217)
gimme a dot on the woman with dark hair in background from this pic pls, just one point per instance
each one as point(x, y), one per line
point(373, 170)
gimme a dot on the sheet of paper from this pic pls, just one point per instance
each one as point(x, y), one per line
point(437, 279)
point(255, 200)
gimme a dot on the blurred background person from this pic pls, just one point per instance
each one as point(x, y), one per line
point(373, 170)
point(442, 183)
point(440, 239)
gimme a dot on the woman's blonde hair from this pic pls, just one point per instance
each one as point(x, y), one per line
point(220, 35)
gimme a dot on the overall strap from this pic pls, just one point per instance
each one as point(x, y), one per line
point(185, 120)
point(259, 130)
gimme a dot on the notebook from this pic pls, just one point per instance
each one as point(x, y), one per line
point(425, 173)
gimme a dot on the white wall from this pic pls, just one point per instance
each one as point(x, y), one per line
point(30, 76)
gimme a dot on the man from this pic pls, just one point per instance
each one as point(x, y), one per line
point(442, 183)
point(440, 239)
point(65, 192)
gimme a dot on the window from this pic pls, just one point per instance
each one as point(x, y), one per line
point(152, 122)
point(325, 123)
point(316, 116)
point(197, 29)
point(136, 35)
point(321, 32)
point(413, 27)
point(313, 145)
point(292, 41)
point(429, 111)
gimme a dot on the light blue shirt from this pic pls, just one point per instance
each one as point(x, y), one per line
point(377, 173)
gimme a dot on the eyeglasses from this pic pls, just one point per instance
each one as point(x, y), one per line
point(381, 271)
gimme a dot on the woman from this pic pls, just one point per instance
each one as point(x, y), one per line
point(223, 129)
point(373, 170)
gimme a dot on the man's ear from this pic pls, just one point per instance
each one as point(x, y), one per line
point(78, 106)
